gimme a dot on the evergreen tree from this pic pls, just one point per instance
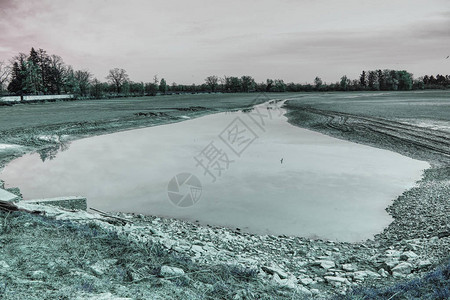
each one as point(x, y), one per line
point(372, 80)
point(318, 83)
point(33, 81)
point(163, 86)
point(362, 79)
point(269, 85)
point(381, 80)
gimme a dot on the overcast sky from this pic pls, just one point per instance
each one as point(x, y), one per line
point(184, 41)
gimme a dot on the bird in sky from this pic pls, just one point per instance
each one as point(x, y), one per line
point(281, 161)
point(447, 57)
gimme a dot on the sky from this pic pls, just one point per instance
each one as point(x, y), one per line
point(184, 41)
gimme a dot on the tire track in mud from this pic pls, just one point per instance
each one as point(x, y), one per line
point(435, 140)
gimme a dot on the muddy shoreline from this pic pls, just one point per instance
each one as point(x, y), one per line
point(415, 242)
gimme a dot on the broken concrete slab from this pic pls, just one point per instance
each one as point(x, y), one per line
point(7, 196)
point(71, 202)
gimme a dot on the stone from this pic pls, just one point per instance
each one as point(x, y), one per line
point(85, 276)
point(303, 290)
point(326, 264)
point(403, 268)
point(315, 291)
point(389, 264)
point(104, 296)
point(291, 284)
point(393, 253)
point(37, 275)
point(168, 243)
point(383, 272)
point(8, 196)
point(412, 246)
point(306, 281)
point(421, 264)
point(408, 255)
point(336, 279)
point(398, 275)
point(361, 275)
point(275, 270)
point(72, 202)
point(167, 271)
point(181, 248)
point(3, 267)
point(3, 264)
point(100, 267)
point(348, 267)
point(197, 249)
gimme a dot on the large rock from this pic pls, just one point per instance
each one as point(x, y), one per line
point(290, 283)
point(72, 202)
point(275, 270)
point(361, 275)
point(197, 249)
point(393, 253)
point(167, 271)
point(389, 263)
point(326, 264)
point(336, 279)
point(306, 280)
point(403, 268)
point(408, 255)
point(7, 196)
point(421, 264)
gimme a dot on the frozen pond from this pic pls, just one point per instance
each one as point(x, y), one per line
point(270, 177)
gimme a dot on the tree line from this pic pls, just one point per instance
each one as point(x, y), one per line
point(39, 73)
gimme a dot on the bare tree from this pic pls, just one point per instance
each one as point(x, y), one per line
point(117, 77)
point(212, 82)
point(57, 73)
point(83, 79)
point(5, 71)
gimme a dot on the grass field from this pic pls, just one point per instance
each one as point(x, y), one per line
point(415, 105)
point(50, 113)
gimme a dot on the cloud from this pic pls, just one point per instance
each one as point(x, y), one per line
point(295, 40)
point(344, 50)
